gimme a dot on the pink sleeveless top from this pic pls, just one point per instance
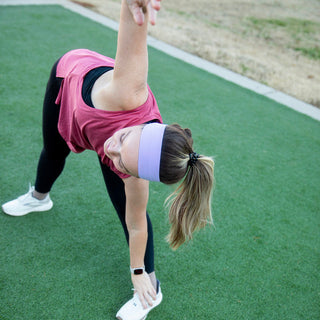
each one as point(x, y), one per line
point(84, 127)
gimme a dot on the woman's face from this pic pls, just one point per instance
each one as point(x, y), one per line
point(123, 149)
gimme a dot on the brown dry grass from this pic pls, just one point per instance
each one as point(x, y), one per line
point(273, 42)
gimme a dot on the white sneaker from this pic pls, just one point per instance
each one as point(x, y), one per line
point(133, 309)
point(26, 204)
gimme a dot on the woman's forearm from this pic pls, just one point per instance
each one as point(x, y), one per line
point(137, 194)
point(137, 246)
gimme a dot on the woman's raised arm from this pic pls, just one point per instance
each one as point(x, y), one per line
point(129, 83)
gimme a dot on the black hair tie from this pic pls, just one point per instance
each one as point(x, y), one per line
point(193, 158)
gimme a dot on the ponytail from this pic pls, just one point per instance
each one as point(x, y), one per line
point(190, 203)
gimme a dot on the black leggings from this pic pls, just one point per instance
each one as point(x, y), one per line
point(52, 160)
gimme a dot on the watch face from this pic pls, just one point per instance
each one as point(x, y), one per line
point(138, 271)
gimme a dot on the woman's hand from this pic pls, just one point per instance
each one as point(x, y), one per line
point(143, 286)
point(138, 9)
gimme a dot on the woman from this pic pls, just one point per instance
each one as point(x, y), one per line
point(94, 102)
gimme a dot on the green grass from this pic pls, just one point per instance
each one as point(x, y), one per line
point(313, 53)
point(293, 25)
point(260, 262)
point(298, 34)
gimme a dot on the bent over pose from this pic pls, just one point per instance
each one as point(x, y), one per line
point(97, 103)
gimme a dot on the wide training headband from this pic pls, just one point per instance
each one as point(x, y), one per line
point(150, 151)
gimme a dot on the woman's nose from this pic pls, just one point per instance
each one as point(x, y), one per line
point(114, 149)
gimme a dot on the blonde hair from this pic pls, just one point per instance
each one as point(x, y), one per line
point(190, 203)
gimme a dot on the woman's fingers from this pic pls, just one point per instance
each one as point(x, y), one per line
point(145, 290)
point(147, 298)
point(156, 4)
point(153, 7)
point(152, 14)
point(138, 9)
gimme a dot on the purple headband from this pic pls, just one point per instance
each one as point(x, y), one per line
point(150, 151)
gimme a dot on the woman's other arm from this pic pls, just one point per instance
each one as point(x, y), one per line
point(137, 194)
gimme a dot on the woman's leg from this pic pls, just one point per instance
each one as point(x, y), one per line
point(115, 187)
point(55, 150)
point(51, 161)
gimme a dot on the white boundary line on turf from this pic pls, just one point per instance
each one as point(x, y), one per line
point(210, 67)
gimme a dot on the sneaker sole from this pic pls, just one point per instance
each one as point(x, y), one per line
point(145, 317)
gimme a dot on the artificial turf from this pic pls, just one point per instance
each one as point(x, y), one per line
point(261, 261)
